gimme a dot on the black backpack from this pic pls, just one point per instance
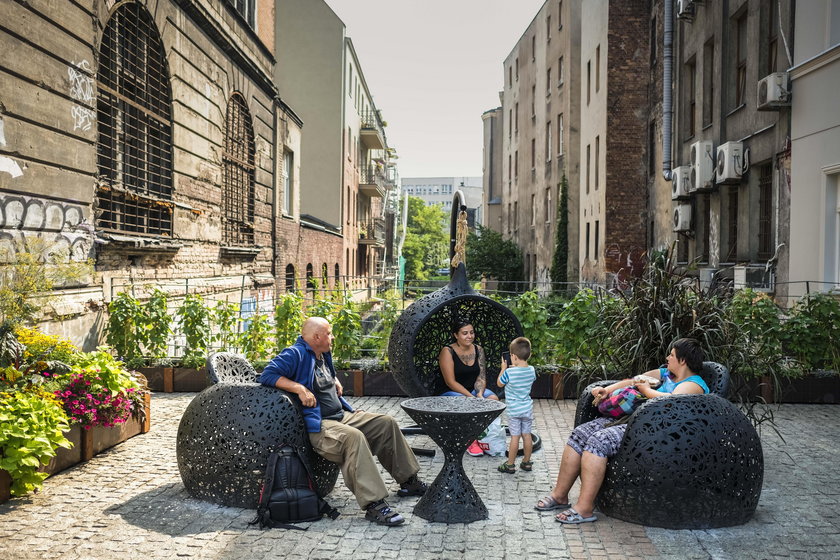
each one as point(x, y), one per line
point(287, 495)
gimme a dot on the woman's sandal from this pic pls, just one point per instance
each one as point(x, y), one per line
point(507, 469)
point(526, 465)
point(572, 517)
point(549, 503)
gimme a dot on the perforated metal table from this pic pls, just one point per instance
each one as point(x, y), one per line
point(452, 422)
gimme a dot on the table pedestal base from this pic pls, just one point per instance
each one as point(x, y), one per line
point(451, 498)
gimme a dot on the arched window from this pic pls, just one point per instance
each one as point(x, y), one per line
point(325, 275)
point(310, 280)
point(134, 120)
point(337, 275)
point(290, 277)
point(238, 175)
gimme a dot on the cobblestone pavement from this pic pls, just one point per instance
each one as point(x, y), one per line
point(129, 502)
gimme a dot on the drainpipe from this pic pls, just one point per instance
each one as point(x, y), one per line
point(667, 101)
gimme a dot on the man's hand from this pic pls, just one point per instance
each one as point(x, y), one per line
point(338, 388)
point(306, 397)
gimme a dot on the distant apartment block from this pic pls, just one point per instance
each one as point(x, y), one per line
point(440, 190)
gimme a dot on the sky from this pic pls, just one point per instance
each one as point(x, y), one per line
point(433, 67)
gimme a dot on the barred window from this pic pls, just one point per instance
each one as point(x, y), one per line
point(134, 146)
point(238, 174)
point(290, 277)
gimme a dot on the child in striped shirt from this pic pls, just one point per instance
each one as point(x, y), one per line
point(517, 377)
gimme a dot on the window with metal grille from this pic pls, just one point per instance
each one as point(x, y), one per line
point(238, 175)
point(765, 211)
point(134, 146)
point(290, 277)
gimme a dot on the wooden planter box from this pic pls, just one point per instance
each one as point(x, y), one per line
point(549, 386)
point(86, 444)
point(179, 380)
point(817, 388)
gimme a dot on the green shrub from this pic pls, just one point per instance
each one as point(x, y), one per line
point(288, 319)
point(194, 318)
point(32, 426)
point(812, 333)
point(256, 340)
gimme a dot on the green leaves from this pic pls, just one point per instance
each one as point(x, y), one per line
point(288, 318)
point(31, 429)
point(194, 320)
point(138, 331)
point(490, 255)
point(425, 248)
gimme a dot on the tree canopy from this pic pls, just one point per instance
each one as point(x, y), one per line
point(426, 243)
point(489, 255)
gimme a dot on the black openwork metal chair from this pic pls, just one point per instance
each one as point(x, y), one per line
point(229, 429)
point(424, 327)
point(686, 461)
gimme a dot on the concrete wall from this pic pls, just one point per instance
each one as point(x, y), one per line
point(492, 167)
point(814, 253)
point(539, 98)
point(310, 76)
point(765, 134)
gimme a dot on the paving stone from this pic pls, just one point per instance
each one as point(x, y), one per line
point(129, 501)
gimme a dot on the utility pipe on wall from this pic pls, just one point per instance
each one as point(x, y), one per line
point(667, 101)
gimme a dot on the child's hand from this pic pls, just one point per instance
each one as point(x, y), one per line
point(504, 366)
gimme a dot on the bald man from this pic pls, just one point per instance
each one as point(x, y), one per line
point(339, 433)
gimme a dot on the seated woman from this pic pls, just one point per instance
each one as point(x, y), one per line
point(591, 444)
point(462, 368)
point(462, 365)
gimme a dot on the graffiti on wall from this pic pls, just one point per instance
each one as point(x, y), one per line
point(82, 90)
point(61, 224)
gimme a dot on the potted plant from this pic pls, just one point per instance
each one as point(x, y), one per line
point(60, 406)
point(194, 322)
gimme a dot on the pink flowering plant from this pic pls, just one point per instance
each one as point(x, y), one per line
point(99, 391)
point(90, 404)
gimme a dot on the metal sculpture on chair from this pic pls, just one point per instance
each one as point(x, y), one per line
point(425, 326)
point(226, 435)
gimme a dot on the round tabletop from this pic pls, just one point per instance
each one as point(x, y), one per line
point(452, 405)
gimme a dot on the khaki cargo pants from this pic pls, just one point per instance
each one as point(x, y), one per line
point(354, 440)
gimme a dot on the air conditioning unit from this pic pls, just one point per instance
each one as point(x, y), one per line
point(755, 277)
point(774, 91)
point(685, 9)
point(702, 166)
point(680, 178)
point(730, 162)
point(707, 276)
point(682, 217)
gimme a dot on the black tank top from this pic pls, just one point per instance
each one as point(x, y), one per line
point(464, 374)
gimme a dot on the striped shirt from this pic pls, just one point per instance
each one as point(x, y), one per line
point(518, 381)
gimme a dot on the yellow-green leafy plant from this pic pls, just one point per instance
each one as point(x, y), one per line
point(32, 426)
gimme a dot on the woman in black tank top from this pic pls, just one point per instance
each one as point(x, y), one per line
point(462, 365)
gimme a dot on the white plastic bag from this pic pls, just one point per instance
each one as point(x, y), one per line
point(494, 440)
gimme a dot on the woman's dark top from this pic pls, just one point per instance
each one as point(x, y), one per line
point(464, 374)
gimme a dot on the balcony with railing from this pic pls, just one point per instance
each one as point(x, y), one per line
point(372, 181)
point(372, 232)
point(372, 133)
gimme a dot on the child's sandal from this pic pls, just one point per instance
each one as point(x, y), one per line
point(526, 465)
point(507, 469)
